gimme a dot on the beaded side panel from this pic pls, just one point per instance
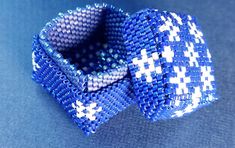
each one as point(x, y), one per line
point(169, 62)
point(88, 110)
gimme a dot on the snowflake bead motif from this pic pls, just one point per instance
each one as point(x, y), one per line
point(184, 81)
point(86, 111)
point(146, 65)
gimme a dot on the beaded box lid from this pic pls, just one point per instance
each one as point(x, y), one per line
point(169, 62)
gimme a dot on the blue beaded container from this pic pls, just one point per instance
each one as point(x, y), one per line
point(79, 57)
point(169, 62)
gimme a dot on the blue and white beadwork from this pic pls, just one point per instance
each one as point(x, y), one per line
point(169, 62)
point(79, 57)
point(146, 70)
point(82, 58)
point(90, 110)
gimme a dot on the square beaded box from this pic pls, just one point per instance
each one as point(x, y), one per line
point(79, 57)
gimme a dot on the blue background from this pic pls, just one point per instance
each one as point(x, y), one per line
point(29, 117)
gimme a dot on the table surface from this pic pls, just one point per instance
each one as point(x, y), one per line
point(32, 118)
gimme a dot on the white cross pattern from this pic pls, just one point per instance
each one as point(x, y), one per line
point(147, 60)
point(168, 54)
point(181, 80)
point(196, 97)
point(191, 54)
point(179, 20)
point(195, 32)
point(35, 65)
point(207, 78)
point(90, 110)
point(168, 26)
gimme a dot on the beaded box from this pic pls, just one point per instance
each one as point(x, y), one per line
point(79, 57)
